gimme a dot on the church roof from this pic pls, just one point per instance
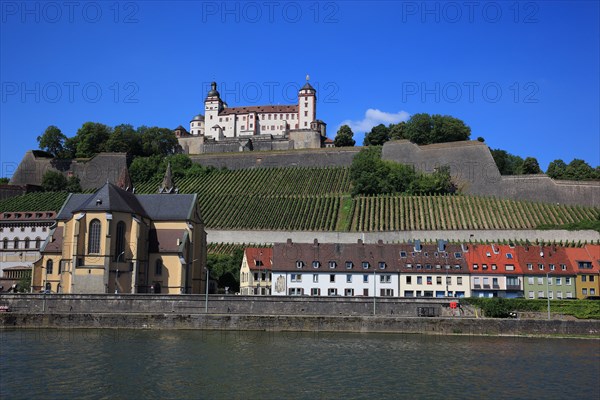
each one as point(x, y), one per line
point(158, 207)
point(112, 198)
point(198, 117)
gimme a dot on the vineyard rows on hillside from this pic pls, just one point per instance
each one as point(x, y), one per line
point(391, 213)
point(263, 181)
point(36, 201)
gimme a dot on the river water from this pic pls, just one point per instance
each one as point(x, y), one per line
point(148, 364)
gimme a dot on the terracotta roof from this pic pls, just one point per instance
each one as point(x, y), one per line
point(260, 109)
point(259, 258)
point(484, 256)
point(165, 240)
point(545, 255)
point(589, 253)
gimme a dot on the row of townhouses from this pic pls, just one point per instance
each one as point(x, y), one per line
point(421, 270)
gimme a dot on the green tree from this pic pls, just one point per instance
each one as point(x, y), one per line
point(423, 128)
point(531, 166)
point(180, 163)
point(125, 139)
point(52, 141)
point(369, 173)
point(54, 181)
point(556, 169)
point(225, 269)
point(24, 284)
point(158, 141)
point(91, 139)
point(398, 131)
point(73, 185)
point(579, 170)
point(508, 164)
point(344, 137)
point(4, 181)
point(143, 169)
point(377, 136)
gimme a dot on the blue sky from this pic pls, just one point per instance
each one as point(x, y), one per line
point(523, 75)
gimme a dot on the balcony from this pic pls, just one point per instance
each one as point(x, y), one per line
point(476, 286)
point(513, 287)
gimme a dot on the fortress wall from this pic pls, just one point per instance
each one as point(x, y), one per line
point(474, 170)
point(93, 172)
point(332, 157)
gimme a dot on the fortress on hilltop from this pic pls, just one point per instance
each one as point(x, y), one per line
point(270, 127)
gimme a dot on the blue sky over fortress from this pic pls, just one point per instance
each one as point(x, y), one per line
point(523, 75)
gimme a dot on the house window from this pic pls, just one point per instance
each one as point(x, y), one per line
point(591, 278)
point(348, 278)
point(332, 278)
point(486, 282)
point(349, 265)
point(315, 292)
point(540, 280)
point(5, 243)
point(567, 280)
point(49, 267)
point(530, 294)
point(550, 294)
point(385, 278)
point(26, 242)
point(563, 267)
point(37, 242)
point(94, 237)
point(549, 281)
point(438, 280)
point(158, 267)
point(495, 282)
point(419, 280)
point(475, 266)
point(448, 280)
point(559, 295)
point(331, 292)
point(349, 292)
point(296, 277)
point(16, 243)
point(316, 264)
point(530, 280)
point(541, 267)
point(592, 291)
point(569, 295)
point(365, 265)
point(530, 267)
point(509, 267)
point(509, 256)
point(459, 280)
point(299, 264)
point(583, 278)
point(429, 280)
point(365, 278)
point(386, 292)
point(457, 255)
point(584, 291)
point(494, 267)
point(476, 281)
point(296, 291)
point(403, 254)
point(558, 280)
point(551, 267)
point(332, 264)
point(315, 278)
point(408, 280)
point(409, 293)
point(381, 265)
point(120, 244)
point(540, 294)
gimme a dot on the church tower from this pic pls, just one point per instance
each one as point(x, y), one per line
point(212, 106)
point(307, 105)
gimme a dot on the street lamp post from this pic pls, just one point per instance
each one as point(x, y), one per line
point(374, 290)
point(206, 293)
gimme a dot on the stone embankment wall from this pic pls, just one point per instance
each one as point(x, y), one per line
point(259, 236)
point(193, 304)
point(269, 324)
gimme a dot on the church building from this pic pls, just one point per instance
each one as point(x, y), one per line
point(269, 127)
point(115, 241)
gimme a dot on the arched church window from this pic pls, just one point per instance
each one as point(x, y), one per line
point(94, 237)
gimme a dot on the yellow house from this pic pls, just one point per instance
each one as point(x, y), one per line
point(114, 241)
point(586, 261)
point(256, 271)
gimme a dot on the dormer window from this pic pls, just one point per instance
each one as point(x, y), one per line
point(365, 265)
point(403, 254)
point(484, 266)
point(332, 264)
point(299, 264)
point(457, 255)
point(541, 266)
point(509, 256)
point(316, 264)
point(381, 265)
point(475, 266)
point(488, 254)
point(349, 265)
point(530, 267)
